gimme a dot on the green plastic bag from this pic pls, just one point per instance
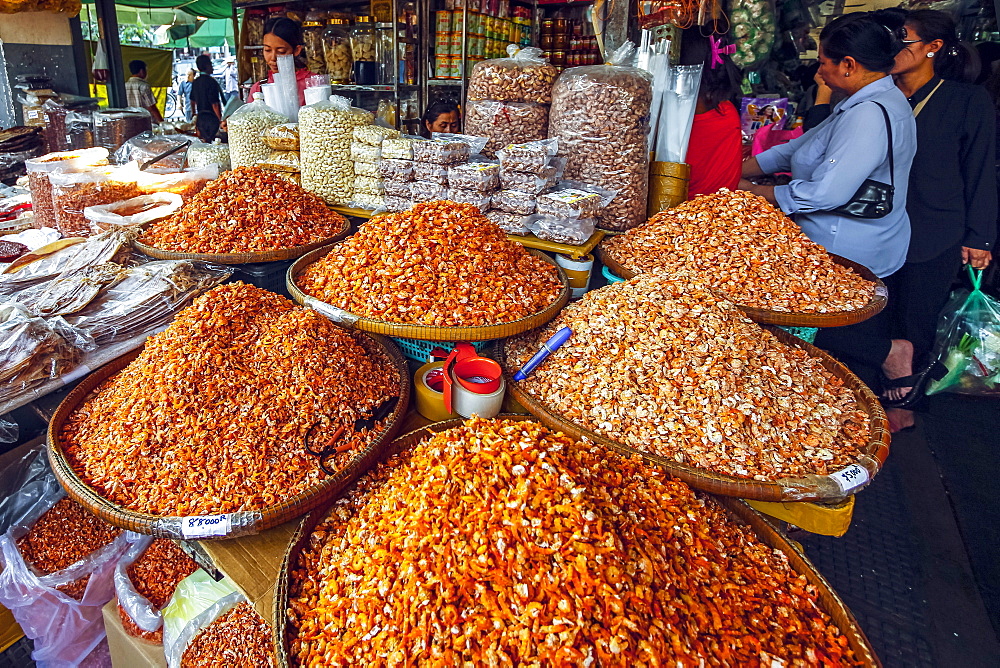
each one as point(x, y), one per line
point(968, 342)
point(197, 602)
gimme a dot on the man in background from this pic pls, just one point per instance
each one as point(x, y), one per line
point(206, 100)
point(140, 93)
point(184, 93)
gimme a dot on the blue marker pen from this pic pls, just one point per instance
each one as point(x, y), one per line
point(549, 347)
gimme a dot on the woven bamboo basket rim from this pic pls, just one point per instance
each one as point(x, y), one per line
point(429, 332)
point(270, 517)
point(788, 489)
point(828, 600)
point(784, 318)
point(243, 258)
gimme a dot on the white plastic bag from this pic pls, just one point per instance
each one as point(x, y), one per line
point(142, 612)
point(63, 629)
point(135, 211)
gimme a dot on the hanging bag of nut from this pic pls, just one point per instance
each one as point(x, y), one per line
point(508, 99)
point(600, 114)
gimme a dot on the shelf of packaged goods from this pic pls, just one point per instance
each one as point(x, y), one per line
point(444, 82)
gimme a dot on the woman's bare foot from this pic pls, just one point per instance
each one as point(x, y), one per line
point(898, 364)
point(899, 419)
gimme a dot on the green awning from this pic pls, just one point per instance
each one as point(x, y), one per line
point(213, 32)
point(210, 9)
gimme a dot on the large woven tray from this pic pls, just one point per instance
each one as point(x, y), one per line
point(812, 488)
point(784, 318)
point(425, 332)
point(242, 522)
point(243, 258)
point(828, 600)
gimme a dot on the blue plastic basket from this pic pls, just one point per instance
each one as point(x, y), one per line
point(419, 350)
point(807, 334)
point(611, 277)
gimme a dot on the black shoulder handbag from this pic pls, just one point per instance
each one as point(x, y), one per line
point(874, 198)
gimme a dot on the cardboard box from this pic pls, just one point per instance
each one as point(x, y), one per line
point(10, 632)
point(253, 563)
point(126, 651)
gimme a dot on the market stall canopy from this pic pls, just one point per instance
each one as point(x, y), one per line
point(202, 35)
point(210, 9)
point(159, 62)
point(142, 15)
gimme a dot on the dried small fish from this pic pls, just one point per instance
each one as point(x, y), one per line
point(96, 250)
point(70, 292)
point(33, 350)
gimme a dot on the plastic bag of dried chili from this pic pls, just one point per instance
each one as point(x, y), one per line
point(60, 611)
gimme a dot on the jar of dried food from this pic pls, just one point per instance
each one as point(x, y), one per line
point(312, 38)
point(337, 51)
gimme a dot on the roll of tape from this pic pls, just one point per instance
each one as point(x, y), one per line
point(577, 271)
point(467, 403)
point(430, 403)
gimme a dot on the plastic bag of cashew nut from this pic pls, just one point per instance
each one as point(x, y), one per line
point(600, 113)
point(326, 132)
point(506, 123)
point(523, 77)
point(561, 230)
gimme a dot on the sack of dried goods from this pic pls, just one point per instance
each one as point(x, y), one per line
point(246, 125)
point(145, 580)
point(202, 155)
point(38, 178)
point(661, 365)
point(326, 130)
point(58, 560)
point(135, 211)
point(561, 230)
point(284, 137)
point(524, 77)
point(600, 113)
point(74, 191)
point(506, 123)
point(374, 135)
point(439, 263)
point(746, 251)
point(246, 210)
point(228, 392)
point(500, 542)
point(71, 254)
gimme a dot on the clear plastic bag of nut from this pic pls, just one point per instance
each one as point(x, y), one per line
point(506, 123)
point(396, 204)
point(400, 189)
point(367, 185)
point(366, 169)
point(533, 157)
point(440, 151)
point(281, 161)
point(511, 223)
point(365, 152)
point(395, 169)
point(368, 201)
point(601, 116)
point(400, 148)
point(482, 177)
point(515, 201)
point(431, 172)
point(528, 182)
point(525, 76)
point(571, 199)
point(284, 137)
point(427, 191)
point(572, 231)
point(246, 146)
point(374, 135)
point(481, 201)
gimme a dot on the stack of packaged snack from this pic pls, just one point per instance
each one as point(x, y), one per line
point(283, 140)
point(366, 152)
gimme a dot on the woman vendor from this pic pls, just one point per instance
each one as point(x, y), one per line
point(831, 162)
point(441, 116)
point(283, 37)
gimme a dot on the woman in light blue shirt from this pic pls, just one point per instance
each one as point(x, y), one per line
point(830, 162)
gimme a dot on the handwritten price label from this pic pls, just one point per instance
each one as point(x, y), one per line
point(852, 478)
point(204, 526)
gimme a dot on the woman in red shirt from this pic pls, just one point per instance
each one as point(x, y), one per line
point(715, 149)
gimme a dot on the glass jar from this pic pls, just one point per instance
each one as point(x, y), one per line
point(312, 39)
point(381, 11)
point(561, 27)
point(385, 52)
point(364, 50)
point(558, 58)
point(337, 51)
point(561, 42)
point(548, 26)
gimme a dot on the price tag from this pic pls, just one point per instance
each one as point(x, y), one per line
point(204, 526)
point(852, 478)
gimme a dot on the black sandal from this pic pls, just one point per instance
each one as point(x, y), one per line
point(916, 382)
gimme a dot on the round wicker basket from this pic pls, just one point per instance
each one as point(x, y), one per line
point(243, 258)
point(766, 317)
point(427, 332)
point(787, 489)
point(251, 521)
point(828, 600)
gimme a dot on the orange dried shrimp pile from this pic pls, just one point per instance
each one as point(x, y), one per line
point(747, 251)
point(440, 263)
point(241, 638)
point(662, 365)
point(211, 417)
point(246, 210)
point(503, 543)
point(155, 575)
point(64, 535)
